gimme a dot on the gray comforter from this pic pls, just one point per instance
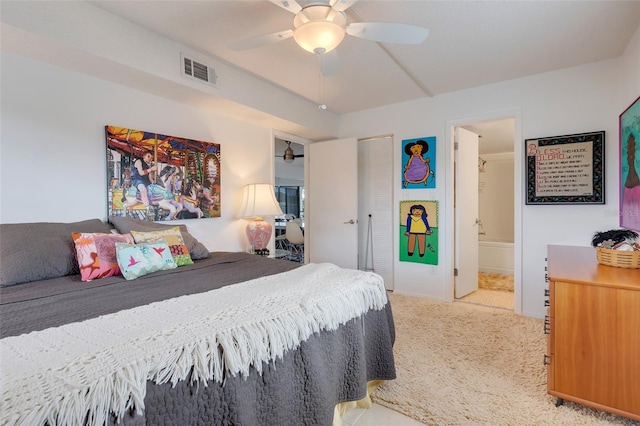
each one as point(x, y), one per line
point(302, 388)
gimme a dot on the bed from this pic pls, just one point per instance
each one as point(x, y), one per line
point(229, 339)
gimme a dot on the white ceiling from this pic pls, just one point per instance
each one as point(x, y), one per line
point(471, 43)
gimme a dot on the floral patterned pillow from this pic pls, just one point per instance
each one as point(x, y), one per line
point(136, 260)
point(96, 254)
point(173, 238)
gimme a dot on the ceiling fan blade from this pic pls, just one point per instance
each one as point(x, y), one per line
point(290, 5)
point(328, 62)
point(341, 5)
point(388, 32)
point(261, 40)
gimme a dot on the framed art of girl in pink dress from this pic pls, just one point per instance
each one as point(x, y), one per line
point(418, 159)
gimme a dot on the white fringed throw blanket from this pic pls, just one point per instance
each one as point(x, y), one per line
point(102, 365)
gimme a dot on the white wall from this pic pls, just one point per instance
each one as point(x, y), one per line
point(80, 36)
point(630, 73)
point(53, 148)
point(581, 99)
point(289, 174)
point(495, 198)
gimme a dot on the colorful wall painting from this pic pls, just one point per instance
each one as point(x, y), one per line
point(156, 177)
point(630, 167)
point(419, 232)
point(418, 163)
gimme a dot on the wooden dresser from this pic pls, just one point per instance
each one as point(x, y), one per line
point(593, 326)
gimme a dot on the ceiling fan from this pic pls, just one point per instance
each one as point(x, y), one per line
point(288, 155)
point(320, 27)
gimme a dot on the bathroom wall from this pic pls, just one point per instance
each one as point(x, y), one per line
point(495, 197)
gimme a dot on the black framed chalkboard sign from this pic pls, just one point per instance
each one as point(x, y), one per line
point(565, 169)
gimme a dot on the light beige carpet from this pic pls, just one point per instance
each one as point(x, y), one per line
point(463, 364)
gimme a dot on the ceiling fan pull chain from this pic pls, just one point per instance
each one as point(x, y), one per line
point(321, 105)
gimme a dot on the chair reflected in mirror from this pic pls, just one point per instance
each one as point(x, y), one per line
point(281, 228)
point(294, 240)
point(281, 241)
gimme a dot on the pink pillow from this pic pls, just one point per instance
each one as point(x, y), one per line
point(96, 254)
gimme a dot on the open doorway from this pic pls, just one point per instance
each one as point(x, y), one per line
point(289, 184)
point(493, 220)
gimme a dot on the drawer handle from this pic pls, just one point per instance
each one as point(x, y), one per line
point(547, 293)
point(547, 325)
point(546, 302)
point(546, 360)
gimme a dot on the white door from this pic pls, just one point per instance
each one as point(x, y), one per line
point(466, 212)
point(331, 219)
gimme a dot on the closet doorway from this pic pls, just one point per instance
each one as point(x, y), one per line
point(375, 206)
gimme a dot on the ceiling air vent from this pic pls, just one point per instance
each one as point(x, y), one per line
point(195, 69)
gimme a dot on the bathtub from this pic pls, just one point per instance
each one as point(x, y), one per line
point(495, 257)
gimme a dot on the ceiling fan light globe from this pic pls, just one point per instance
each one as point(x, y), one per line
point(319, 36)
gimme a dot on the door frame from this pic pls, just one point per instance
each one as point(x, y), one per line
point(449, 241)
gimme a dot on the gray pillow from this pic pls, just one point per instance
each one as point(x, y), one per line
point(124, 225)
point(41, 250)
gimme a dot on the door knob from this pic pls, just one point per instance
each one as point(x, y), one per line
point(350, 222)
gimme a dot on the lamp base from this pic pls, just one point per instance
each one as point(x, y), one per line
point(259, 234)
point(262, 252)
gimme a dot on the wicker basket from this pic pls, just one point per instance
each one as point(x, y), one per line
point(618, 258)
